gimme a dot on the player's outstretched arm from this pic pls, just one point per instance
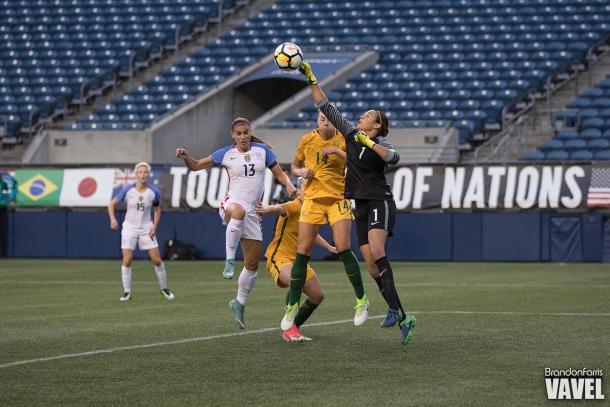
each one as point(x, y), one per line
point(320, 241)
point(283, 179)
point(191, 163)
point(114, 225)
point(265, 209)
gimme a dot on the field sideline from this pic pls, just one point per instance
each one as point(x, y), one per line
point(485, 333)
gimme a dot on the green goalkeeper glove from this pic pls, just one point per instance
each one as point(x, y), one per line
point(305, 69)
point(363, 138)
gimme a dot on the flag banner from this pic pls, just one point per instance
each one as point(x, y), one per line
point(87, 187)
point(416, 188)
point(126, 175)
point(38, 186)
point(599, 188)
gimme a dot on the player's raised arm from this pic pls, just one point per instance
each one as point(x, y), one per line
point(344, 126)
point(191, 163)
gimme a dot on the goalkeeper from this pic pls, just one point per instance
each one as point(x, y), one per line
point(368, 157)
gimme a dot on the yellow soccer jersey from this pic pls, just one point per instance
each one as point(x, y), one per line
point(284, 243)
point(328, 181)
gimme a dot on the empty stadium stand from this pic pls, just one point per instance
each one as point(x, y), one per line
point(465, 62)
point(585, 129)
point(60, 53)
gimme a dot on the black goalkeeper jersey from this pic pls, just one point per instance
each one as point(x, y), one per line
point(365, 174)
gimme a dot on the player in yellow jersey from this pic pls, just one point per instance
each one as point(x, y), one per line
point(281, 254)
point(320, 158)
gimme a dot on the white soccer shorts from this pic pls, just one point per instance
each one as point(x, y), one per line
point(131, 239)
point(252, 227)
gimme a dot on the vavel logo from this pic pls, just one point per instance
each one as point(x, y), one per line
point(574, 384)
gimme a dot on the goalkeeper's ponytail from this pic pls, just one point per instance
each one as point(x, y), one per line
point(382, 119)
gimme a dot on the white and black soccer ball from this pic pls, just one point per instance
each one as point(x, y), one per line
point(288, 56)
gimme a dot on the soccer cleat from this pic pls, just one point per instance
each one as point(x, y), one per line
point(238, 313)
point(294, 335)
point(362, 310)
point(168, 294)
point(406, 328)
point(288, 320)
point(229, 269)
point(126, 297)
point(391, 319)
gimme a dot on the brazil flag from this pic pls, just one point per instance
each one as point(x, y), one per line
point(38, 186)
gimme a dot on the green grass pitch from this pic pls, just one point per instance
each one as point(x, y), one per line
point(485, 333)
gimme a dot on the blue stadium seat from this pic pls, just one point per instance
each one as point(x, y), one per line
point(584, 155)
point(551, 145)
point(574, 144)
point(533, 156)
point(593, 93)
point(566, 135)
point(588, 112)
point(590, 133)
point(580, 103)
point(557, 155)
point(602, 155)
point(598, 144)
point(600, 103)
point(594, 122)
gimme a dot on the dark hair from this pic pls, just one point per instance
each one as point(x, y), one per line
point(242, 120)
point(239, 120)
point(383, 120)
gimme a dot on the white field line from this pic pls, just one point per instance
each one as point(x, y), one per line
point(263, 330)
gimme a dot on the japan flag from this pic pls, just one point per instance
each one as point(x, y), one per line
point(87, 187)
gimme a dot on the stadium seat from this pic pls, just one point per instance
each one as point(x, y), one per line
point(551, 145)
point(590, 133)
point(533, 156)
point(583, 155)
point(602, 155)
point(566, 135)
point(574, 144)
point(593, 122)
point(558, 155)
point(598, 144)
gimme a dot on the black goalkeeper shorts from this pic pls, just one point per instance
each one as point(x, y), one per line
point(372, 214)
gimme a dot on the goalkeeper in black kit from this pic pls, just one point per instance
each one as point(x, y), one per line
point(368, 156)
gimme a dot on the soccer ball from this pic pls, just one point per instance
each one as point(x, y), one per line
point(288, 56)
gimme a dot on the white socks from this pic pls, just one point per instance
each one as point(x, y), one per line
point(233, 234)
point(245, 284)
point(126, 277)
point(161, 276)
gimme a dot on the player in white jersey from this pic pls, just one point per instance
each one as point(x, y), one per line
point(138, 227)
point(245, 162)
